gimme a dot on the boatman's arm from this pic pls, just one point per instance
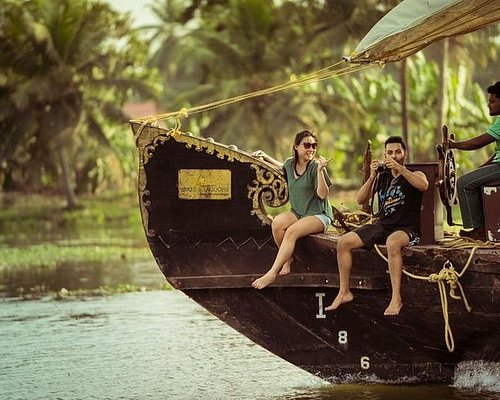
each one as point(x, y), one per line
point(474, 143)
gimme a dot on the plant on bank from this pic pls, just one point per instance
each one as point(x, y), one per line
point(67, 67)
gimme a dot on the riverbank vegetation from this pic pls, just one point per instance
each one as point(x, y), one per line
point(98, 248)
point(69, 69)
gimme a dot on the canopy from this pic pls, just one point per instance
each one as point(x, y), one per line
point(414, 24)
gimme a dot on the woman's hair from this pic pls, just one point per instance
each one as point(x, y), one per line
point(298, 138)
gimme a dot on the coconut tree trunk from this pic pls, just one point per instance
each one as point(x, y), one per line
point(442, 99)
point(69, 118)
point(403, 83)
point(66, 183)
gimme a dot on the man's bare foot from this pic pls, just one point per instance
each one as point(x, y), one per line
point(339, 300)
point(264, 280)
point(285, 269)
point(394, 307)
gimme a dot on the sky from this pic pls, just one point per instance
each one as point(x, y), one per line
point(140, 10)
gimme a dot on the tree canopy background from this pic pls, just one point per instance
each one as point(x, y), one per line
point(69, 66)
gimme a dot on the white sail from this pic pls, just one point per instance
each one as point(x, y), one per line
point(414, 24)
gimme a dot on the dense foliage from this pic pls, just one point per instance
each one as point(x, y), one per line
point(211, 50)
point(44, 248)
point(68, 67)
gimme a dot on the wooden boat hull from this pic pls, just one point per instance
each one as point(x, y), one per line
point(203, 211)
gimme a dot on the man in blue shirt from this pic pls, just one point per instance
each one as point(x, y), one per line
point(469, 185)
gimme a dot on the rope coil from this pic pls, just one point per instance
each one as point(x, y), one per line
point(446, 276)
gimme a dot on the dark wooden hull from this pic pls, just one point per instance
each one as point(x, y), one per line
point(212, 242)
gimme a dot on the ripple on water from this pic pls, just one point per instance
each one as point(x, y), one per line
point(161, 345)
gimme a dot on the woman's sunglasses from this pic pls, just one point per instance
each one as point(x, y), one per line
point(308, 145)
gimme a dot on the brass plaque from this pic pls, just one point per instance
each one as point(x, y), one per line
point(204, 184)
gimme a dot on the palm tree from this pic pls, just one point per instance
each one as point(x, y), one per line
point(67, 68)
point(242, 46)
point(230, 47)
point(475, 51)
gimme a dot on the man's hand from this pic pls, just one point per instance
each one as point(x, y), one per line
point(374, 167)
point(393, 165)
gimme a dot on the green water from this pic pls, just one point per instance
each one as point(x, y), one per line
point(161, 345)
point(81, 318)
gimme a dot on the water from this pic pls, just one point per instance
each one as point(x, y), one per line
point(161, 345)
point(34, 282)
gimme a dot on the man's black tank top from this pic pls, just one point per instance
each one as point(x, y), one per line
point(400, 203)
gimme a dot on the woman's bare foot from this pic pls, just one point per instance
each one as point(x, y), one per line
point(285, 269)
point(339, 300)
point(394, 307)
point(264, 280)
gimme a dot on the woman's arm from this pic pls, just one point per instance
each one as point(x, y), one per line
point(323, 189)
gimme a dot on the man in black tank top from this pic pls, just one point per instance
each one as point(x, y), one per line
point(399, 192)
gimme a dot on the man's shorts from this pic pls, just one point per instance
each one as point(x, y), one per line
point(377, 233)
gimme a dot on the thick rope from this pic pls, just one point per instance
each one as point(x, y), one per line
point(447, 275)
point(182, 113)
point(316, 76)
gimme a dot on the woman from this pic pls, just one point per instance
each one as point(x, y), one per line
point(308, 189)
